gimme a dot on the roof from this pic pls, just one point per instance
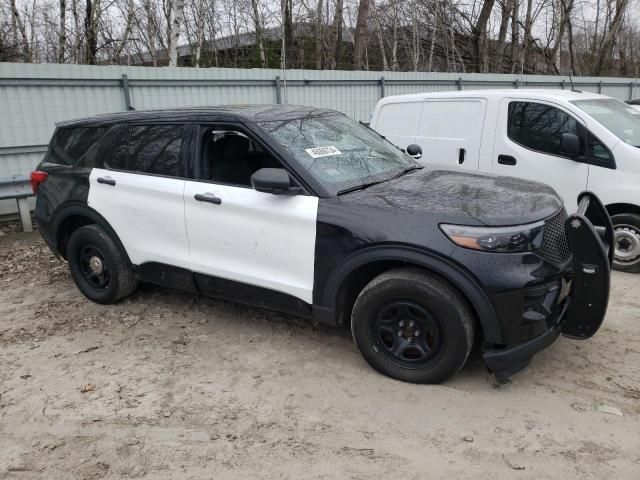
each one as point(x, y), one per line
point(224, 113)
point(540, 93)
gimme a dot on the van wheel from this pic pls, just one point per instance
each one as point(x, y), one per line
point(412, 326)
point(627, 242)
point(98, 267)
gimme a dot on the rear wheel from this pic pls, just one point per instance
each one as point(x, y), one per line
point(412, 326)
point(98, 266)
point(627, 242)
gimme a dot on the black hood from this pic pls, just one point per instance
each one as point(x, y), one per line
point(454, 195)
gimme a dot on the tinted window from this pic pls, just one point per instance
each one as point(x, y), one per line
point(71, 146)
point(539, 127)
point(113, 148)
point(155, 149)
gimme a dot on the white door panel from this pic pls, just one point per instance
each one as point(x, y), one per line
point(450, 132)
point(567, 177)
point(146, 212)
point(398, 122)
point(253, 237)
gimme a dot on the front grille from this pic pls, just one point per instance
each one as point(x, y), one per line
point(555, 244)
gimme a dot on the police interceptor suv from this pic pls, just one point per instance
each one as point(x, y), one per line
point(305, 211)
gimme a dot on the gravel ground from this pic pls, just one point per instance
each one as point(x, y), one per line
point(167, 385)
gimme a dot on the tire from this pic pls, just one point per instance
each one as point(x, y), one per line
point(627, 242)
point(401, 350)
point(107, 279)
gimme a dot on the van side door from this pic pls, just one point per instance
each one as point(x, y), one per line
point(450, 132)
point(527, 145)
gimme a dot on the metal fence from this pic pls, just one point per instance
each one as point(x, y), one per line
point(34, 97)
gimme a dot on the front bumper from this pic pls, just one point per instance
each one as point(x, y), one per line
point(580, 296)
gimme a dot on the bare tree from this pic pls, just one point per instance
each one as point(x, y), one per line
point(178, 7)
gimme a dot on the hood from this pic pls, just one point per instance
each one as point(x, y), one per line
point(458, 196)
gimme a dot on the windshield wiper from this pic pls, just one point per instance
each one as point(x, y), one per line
point(360, 187)
point(407, 170)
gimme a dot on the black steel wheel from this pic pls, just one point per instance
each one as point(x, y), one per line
point(99, 266)
point(412, 325)
point(407, 334)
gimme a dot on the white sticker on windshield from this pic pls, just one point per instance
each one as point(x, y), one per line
point(318, 152)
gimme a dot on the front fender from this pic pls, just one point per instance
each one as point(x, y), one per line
point(454, 273)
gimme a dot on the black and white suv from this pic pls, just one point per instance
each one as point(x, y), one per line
point(305, 211)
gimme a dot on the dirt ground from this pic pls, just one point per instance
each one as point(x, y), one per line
point(184, 387)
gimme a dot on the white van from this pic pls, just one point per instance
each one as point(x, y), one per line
point(573, 141)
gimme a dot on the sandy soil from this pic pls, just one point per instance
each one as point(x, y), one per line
point(182, 387)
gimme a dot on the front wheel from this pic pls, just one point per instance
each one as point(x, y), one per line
point(412, 326)
point(626, 228)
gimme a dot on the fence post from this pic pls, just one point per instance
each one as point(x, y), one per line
point(125, 91)
point(278, 91)
point(600, 87)
point(516, 83)
point(382, 88)
point(562, 84)
point(631, 90)
point(459, 83)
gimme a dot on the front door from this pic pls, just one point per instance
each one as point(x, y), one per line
point(527, 145)
point(237, 233)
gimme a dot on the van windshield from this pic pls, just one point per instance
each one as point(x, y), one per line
point(340, 153)
point(619, 118)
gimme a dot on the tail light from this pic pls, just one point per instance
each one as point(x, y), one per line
point(37, 178)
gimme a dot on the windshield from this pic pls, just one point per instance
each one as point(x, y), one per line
point(339, 152)
point(619, 118)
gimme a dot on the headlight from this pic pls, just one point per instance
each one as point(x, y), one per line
point(520, 238)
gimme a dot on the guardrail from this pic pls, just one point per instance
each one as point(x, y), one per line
point(18, 187)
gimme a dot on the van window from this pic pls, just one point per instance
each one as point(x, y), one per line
point(71, 146)
point(539, 127)
point(155, 149)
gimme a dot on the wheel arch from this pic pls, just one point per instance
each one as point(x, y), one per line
point(347, 280)
point(73, 216)
point(617, 208)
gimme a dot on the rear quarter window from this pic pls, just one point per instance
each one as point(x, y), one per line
point(156, 149)
point(75, 146)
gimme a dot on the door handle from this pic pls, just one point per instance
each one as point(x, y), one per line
point(461, 156)
point(207, 198)
point(507, 160)
point(107, 181)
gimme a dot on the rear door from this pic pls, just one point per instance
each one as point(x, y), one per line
point(527, 145)
point(237, 233)
point(398, 122)
point(139, 191)
point(450, 132)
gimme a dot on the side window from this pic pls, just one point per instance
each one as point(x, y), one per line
point(230, 156)
point(539, 127)
point(155, 149)
point(113, 148)
point(75, 146)
point(598, 153)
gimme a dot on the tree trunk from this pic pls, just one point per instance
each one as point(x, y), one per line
point(62, 35)
point(178, 7)
point(19, 27)
point(507, 11)
point(525, 56)
point(606, 49)
point(337, 34)
point(361, 34)
point(257, 22)
point(515, 35)
point(480, 47)
point(90, 33)
point(288, 54)
point(318, 33)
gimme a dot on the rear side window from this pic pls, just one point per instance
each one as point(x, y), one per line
point(114, 148)
point(539, 127)
point(155, 149)
point(75, 146)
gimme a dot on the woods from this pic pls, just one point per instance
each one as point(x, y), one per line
point(594, 37)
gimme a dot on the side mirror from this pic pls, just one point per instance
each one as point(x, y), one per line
point(273, 180)
point(570, 145)
point(414, 151)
